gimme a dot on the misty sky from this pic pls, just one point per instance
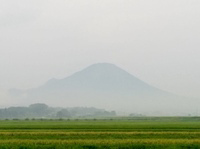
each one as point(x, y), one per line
point(158, 41)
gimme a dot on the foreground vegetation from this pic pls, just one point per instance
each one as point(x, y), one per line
point(155, 133)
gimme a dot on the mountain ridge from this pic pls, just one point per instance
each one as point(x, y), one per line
point(103, 85)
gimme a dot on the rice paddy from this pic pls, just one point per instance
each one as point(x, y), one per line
point(154, 133)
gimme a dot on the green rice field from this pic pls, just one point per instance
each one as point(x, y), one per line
point(138, 133)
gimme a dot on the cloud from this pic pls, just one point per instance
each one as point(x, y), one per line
point(14, 13)
point(158, 41)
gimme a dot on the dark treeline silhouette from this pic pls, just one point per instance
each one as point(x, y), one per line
point(40, 110)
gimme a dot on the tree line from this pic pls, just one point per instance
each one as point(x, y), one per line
point(40, 110)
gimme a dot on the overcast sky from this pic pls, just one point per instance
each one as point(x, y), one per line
point(158, 41)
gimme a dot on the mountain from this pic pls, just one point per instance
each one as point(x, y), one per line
point(107, 86)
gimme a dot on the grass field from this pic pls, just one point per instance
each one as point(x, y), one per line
point(139, 133)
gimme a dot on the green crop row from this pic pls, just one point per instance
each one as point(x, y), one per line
point(99, 134)
point(114, 143)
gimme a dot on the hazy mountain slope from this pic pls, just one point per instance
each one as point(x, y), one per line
point(106, 86)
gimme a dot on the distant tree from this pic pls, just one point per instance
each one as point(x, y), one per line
point(39, 110)
point(38, 106)
point(64, 113)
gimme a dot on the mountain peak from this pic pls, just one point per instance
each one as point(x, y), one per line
point(103, 64)
point(102, 85)
point(103, 68)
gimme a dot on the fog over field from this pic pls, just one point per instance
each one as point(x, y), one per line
point(127, 55)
